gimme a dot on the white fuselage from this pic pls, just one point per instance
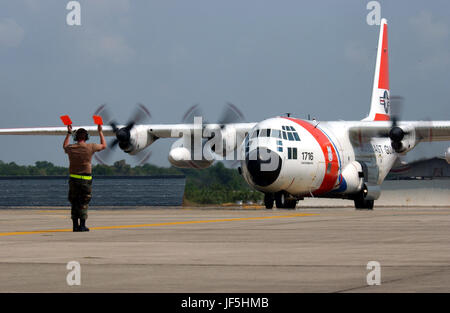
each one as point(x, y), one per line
point(313, 156)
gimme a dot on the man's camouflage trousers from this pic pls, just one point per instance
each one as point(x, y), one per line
point(80, 194)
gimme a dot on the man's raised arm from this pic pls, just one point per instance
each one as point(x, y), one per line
point(102, 138)
point(67, 140)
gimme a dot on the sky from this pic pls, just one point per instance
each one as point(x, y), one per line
point(266, 57)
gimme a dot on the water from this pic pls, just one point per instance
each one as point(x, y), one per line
point(106, 191)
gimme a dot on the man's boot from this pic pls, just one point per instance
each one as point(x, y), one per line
point(83, 225)
point(76, 227)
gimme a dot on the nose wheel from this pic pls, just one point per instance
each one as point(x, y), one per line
point(283, 201)
point(361, 203)
point(268, 200)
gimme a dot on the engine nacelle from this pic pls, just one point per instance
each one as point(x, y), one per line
point(403, 139)
point(353, 177)
point(447, 155)
point(182, 157)
point(139, 140)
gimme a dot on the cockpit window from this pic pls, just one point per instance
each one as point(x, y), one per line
point(265, 133)
point(255, 134)
point(289, 133)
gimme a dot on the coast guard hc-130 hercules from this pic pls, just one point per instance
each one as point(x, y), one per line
point(288, 158)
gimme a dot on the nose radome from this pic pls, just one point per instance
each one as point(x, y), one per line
point(263, 165)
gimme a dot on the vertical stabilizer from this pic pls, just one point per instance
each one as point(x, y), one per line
point(379, 106)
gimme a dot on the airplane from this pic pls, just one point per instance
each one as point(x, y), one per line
point(289, 158)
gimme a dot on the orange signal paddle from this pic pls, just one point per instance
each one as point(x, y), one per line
point(98, 120)
point(66, 120)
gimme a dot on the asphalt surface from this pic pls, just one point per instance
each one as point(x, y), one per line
point(227, 250)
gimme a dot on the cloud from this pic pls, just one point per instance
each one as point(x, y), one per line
point(111, 48)
point(11, 34)
point(104, 31)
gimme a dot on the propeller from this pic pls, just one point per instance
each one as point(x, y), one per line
point(230, 114)
point(396, 134)
point(193, 111)
point(123, 134)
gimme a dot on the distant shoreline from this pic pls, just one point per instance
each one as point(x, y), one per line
point(168, 176)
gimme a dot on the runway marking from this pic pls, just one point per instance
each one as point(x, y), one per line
point(160, 224)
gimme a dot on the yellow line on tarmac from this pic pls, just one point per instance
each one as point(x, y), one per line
point(159, 224)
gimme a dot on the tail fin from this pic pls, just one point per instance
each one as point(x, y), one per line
point(380, 106)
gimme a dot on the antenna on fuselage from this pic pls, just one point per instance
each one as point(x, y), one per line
point(288, 114)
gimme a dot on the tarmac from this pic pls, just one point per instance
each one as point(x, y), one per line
point(228, 250)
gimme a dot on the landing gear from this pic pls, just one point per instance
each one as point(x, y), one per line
point(361, 203)
point(283, 202)
point(291, 204)
point(364, 204)
point(268, 200)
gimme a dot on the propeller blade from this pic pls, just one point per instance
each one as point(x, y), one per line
point(113, 143)
point(99, 159)
point(103, 157)
point(114, 127)
point(104, 112)
point(396, 108)
point(230, 114)
point(140, 114)
point(122, 134)
point(143, 157)
point(193, 111)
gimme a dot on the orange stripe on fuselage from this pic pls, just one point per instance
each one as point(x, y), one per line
point(330, 178)
point(383, 80)
point(381, 117)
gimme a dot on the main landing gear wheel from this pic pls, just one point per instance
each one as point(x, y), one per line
point(282, 201)
point(268, 200)
point(363, 204)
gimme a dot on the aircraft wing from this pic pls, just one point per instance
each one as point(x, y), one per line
point(53, 131)
point(177, 130)
point(158, 130)
point(426, 131)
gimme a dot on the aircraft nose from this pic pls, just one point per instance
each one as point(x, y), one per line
point(263, 165)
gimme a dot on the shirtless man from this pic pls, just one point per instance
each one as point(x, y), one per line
point(80, 181)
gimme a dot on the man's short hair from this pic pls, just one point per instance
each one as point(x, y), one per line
point(81, 134)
